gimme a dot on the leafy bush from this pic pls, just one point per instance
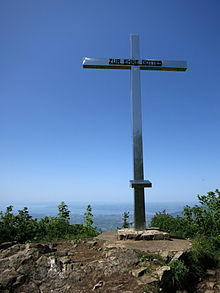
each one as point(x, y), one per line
point(167, 223)
point(179, 275)
point(203, 219)
point(201, 223)
point(22, 227)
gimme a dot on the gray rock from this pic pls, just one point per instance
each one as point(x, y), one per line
point(98, 285)
point(61, 253)
point(139, 272)
point(178, 255)
point(92, 243)
point(6, 245)
point(7, 278)
point(40, 247)
point(162, 271)
point(211, 272)
point(65, 259)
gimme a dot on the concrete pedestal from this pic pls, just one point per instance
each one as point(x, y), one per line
point(146, 234)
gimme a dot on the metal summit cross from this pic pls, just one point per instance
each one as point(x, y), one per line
point(135, 64)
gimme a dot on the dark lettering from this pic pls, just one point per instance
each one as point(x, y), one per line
point(115, 61)
point(110, 61)
point(151, 62)
point(134, 62)
point(131, 62)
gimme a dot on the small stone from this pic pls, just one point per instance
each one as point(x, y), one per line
point(6, 245)
point(98, 285)
point(61, 253)
point(91, 243)
point(158, 237)
point(165, 255)
point(40, 247)
point(156, 261)
point(210, 272)
point(161, 271)
point(210, 285)
point(146, 279)
point(139, 272)
point(147, 236)
point(178, 255)
point(7, 278)
point(19, 280)
point(65, 260)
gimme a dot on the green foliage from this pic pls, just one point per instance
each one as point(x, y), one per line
point(203, 219)
point(53, 228)
point(22, 227)
point(125, 224)
point(179, 273)
point(201, 223)
point(26, 227)
point(88, 222)
point(88, 217)
point(63, 212)
point(167, 223)
point(206, 250)
point(7, 225)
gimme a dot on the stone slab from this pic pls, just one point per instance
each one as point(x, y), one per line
point(147, 234)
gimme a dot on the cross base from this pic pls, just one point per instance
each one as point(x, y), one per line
point(139, 202)
point(144, 234)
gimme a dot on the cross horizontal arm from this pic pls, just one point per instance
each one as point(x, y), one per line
point(143, 64)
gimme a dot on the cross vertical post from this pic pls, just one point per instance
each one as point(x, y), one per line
point(138, 169)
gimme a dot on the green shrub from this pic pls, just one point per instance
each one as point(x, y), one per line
point(89, 230)
point(63, 212)
point(179, 273)
point(125, 218)
point(201, 223)
point(22, 227)
point(168, 223)
point(203, 219)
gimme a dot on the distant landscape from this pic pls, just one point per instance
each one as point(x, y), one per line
point(107, 216)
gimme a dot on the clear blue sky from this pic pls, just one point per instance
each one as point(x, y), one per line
point(65, 131)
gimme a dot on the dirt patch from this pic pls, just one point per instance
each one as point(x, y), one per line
point(152, 246)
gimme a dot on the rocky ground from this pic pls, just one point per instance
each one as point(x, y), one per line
point(101, 265)
point(211, 282)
